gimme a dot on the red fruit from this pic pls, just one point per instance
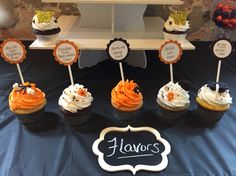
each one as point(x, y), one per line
point(230, 26)
point(220, 6)
point(226, 8)
point(219, 18)
point(225, 21)
point(233, 21)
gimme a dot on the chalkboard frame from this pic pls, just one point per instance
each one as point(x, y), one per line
point(107, 167)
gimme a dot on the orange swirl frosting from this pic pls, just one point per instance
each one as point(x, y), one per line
point(126, 96)
point(26, 97)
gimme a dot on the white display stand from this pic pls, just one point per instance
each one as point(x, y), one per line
point(103, 20)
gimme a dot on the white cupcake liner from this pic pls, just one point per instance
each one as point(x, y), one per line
point(168, 36)
point(47, 39)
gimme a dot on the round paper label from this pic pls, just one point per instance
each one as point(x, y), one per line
point(13, 51)
point(170, 52)
point(66, 52)
point(118, 49)
point(222, 48)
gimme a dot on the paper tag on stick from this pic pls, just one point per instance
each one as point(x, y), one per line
point(170, 52)
point(66, 52)
point(13, 51)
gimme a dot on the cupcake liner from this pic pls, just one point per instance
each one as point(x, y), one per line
point(168, 36)
point(78, 118)
point(47, 39)
point(31, 118)
point(169, 116)
point(126, 115)
point(208, 116)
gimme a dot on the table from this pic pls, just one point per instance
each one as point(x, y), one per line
point(63, 151)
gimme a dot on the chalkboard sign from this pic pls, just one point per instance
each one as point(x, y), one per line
point(131, 149)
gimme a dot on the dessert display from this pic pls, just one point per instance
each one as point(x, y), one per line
point(176, 27)
point(224, 15)
point(75, 104)
point(173, 102)
point(126, 99)
point(27, 102)
point(45, 27)
point(213, 101)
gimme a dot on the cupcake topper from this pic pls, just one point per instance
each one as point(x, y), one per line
point(222, 49)
point(66, 53)
point(13, 51)
point(170, 52)
point(118, 51)
point(44, 16)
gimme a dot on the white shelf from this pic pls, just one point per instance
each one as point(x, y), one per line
point(98, 38)
point(169, 2)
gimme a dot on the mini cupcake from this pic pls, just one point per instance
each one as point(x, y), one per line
point(126, 99)
point(45, 27)
point(173, 102)
point(213, 101)
point(176, 27)
point(75, 104)
point(27, 102)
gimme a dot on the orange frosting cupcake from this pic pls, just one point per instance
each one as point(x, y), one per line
point(126, 96)
point(26, 99)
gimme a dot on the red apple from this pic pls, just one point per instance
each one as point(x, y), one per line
point(220, 6)
point(225, 21)
point(226, 8)
point(219, 18)
point(230, 26)
point(233, 21)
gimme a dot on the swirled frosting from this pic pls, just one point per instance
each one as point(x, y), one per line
point(75, 97)
point(214, 97)
point(44, 26)
point(26, 97)
point(126, 96)
point(173, 95)
point(170, 25)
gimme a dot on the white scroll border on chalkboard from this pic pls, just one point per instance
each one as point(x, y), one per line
point(114, 40)
point(161, 166)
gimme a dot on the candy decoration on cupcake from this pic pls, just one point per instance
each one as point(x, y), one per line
point(13, 51)
point(66, 53)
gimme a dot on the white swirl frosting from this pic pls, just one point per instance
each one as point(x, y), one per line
point(214, 97)
point(75, 98)
point(44, 26)
point(173, 95)
point(171, 26)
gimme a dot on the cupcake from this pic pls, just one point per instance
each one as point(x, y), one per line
point(27, 102)
point(173, 102)
point(126, 99)
point(45, 27)
point(176, 27)
point(75, 104)
point(213, 101)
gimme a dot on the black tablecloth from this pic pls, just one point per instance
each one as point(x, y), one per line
point(63, 151)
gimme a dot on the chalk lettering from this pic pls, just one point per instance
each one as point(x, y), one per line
point(120, 147)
